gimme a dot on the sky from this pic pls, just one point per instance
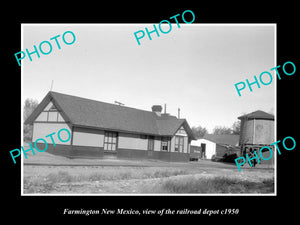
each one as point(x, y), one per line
point(193, 67)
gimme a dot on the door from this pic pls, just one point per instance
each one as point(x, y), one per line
point(150, 143)
point(203, 151)
point(150, 147)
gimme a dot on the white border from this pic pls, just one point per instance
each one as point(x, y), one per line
point(127, 194)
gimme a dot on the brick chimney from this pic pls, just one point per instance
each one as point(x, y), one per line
point(157, 109)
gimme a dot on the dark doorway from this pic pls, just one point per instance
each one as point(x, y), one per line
point(203, 151)
point(150, 143)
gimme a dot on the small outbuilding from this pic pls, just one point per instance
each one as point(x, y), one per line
point(216, 146)
point(101, 129)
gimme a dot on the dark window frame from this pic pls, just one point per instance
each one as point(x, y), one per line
point(179, 146)
point(110, 141)
point(165, 142)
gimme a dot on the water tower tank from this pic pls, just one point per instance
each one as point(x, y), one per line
point(257, 128)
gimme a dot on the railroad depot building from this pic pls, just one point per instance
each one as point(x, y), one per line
point(101, 129)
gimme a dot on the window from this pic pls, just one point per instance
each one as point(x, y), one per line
point(110, 141)
point(164, 143)
point(50, 115)
point(151, 143)
point(179, 140)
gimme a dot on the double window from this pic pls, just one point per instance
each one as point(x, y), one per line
point(165, 143)
point(110, 141)
point(50, 115)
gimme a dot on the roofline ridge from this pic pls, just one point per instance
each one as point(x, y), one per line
point(100, 101)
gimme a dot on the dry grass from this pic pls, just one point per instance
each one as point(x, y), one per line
point(114, 179)
point(217, 185)
point(47, 183)
point(76, 176)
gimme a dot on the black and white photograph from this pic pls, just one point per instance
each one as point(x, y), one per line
point(149, 112)
point(162, 116)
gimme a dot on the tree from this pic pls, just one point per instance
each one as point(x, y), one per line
point(271, 111)
point(222, 130)
point(29, 106)
point(199, 131)
point(236, 127)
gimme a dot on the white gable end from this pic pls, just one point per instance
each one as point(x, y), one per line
point(181, 132)
point(48, 106)
point(49, 114)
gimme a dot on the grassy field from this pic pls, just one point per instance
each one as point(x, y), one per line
point(60, 175)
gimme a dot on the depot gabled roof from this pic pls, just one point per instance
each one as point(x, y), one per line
point(258, 115)
point(89, 113)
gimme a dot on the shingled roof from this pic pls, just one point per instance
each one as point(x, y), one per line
point(100, 115)
point(226, 139)
point(258, 115)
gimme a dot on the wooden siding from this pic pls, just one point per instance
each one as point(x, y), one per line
point(172, 149)
point(132, 141)
point(50, 104)
point(47, 123)
point(186, 145)
point(52, 116)
point(42, 117)
point(60, 118)
point(157, 144)
point(264, 132)
point(257, 131)
point(246, 135)
point(88, 137)
point(40, 130)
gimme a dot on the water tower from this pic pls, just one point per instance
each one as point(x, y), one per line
point(257, 130)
